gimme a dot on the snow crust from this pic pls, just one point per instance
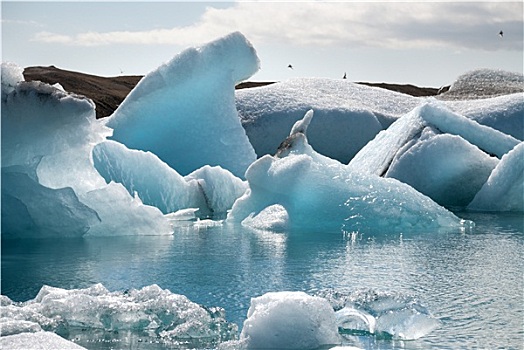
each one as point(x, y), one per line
point(347, 115)
point(184, 111)
point(482, 83)
point(37, 341)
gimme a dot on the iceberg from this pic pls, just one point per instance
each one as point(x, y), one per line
point(212, 190)
point(347, 115)
point(440, 153)
point(321, 193)
point(184, 111)
point(504, 189)
point(483, 83)
point(289, 320)
point(49, 184)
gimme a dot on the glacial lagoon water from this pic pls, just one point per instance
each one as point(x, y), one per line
point(472, 282)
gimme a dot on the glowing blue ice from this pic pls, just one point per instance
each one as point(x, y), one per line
point(319, 192)
point(184, 111)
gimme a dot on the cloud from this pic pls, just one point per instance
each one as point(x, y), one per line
point(469, 25)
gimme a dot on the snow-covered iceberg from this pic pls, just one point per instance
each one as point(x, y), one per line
point(347, 115)
point(184, 111)
point(484, 83)
point(49, 184)
point(319, 192)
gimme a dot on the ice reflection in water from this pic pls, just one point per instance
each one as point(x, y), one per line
point(471, 282)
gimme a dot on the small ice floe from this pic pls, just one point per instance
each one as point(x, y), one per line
point(289, 320)
point(385, 314)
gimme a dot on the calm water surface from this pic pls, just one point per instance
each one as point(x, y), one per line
point(472, 282)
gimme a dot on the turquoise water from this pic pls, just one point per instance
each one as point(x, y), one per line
point(472, 282)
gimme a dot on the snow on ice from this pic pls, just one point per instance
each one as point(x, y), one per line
point(347, 115)
point(179, 150)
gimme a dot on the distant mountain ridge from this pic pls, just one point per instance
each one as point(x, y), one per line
point(108, 92)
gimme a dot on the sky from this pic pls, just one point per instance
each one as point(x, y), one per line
point(411, 42)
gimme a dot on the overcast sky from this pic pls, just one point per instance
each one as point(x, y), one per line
point(422, 43)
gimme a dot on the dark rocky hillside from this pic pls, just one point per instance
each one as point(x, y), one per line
point(108, 92)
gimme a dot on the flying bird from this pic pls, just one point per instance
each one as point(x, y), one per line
point(501, 34)
point(290, 67)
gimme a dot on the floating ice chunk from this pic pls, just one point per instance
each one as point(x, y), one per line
point(48, 135)
point(419, 149)
point(207, 223)
point(211, 189)
point(184, 111)
point(317, 191)
point(121, 214)
point(37, 341)
point(169, 316)
point(10, 327)
point(444, 167)
point(289, 320)
point(504, 189)
point(487, 139)
point(273, 218)
point(347, 115)
point(219, 187)
point(145, 174)
point(356, 320)
point(32, 210)
point(400, 316)
point(187, 214)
